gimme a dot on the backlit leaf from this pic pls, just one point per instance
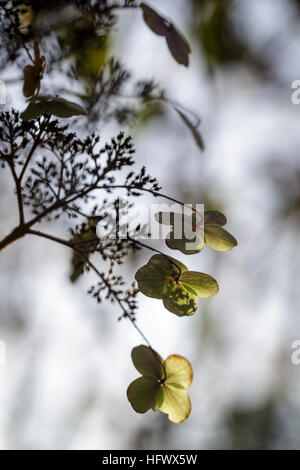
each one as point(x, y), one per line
point(153, 278)
point(178, 371)
point(184, 244)
point(142, 394)
point(214, 218)
point(208, 232)
point(179, 300)
point(147, 362)
point(171, 282)
point(168, 394)
point(218, 238)
point(204, 285)
point(176, 404)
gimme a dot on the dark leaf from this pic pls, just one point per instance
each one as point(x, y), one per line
point(178, 46)
point(193, 128)
point(47, 104)
point(157, 23)
point(177, 43)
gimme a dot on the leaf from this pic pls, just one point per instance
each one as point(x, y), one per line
point(153, 278)
point(179, 300)
point(33, 74)
point(147, 362)
point(47, 104)
point(159, 400)
point(204, 285)
point(215, 236)
point(34, 110)
point(178, 46)
point(176, 404)
point(193, 128)
point(31, 84)
point(218, 238)
point(176, 401)
point(177, 43)
point(157, 23)
point(181, 221)
point(214, 218)
point(183, 244)
point(166, 278)
point(142, 394)
point(178, 371)
point(78, 266)
point(169, 394)
point(88, 233)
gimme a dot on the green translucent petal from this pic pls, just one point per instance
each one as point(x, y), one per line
point(142, 394)
point(202, 284)
point(177, 240)
point(154, 277)
point(159, 400)
point(167, 261)
point(183, 244)
point(148, 362)
point(151, 281)
point(176, 404)
point(218, 238)
point(179, 371)
point(214, 218)
point(179, 300)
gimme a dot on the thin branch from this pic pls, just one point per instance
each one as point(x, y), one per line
point(119, 302)
point(33, 148)
point(93, 267)
point(18, 191)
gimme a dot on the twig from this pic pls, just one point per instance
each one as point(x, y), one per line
point(93, 267)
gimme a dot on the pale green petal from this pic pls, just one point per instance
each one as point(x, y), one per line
point(214, 218)
point(218, 238)
point(179, 300)
point(154, 277)
point(202, 284)
point(176, 404)
point(184, 244)
point(159, 400)
point(178, 371)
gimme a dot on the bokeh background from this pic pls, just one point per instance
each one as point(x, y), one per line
point(68, 365)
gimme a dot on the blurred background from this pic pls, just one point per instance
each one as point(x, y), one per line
point(63, 384)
